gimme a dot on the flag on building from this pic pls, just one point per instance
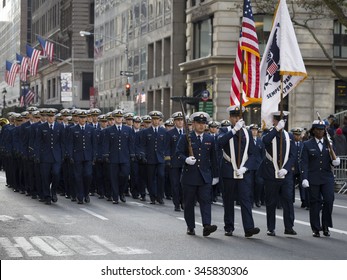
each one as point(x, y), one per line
point(29, 97)
point(11, 72)
point(248, 53)
point(98, 47)
point(47, 48)
point(282, 57)
point(24, 66)
point(34, 56)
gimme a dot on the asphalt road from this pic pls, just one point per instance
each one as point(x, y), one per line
point(140, 231)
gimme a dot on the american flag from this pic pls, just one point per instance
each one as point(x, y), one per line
point(34, 55)
point(24, 66)
point(47, 48)
point(21, 101)
point(11, 72)
point(248, 47)
point(29, 97)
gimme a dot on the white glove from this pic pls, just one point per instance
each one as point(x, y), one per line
point(336, 161)
point(215, 181)
point(241, 171)
point(280, 125)
point(282, 172)
point(305, 183)
point(190, 160)
point(240, 123)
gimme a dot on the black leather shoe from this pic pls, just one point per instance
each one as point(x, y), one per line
point(101, 197)
point(290, 231)
point(316, 233)
point(73, 199)
point(251, 232)
point(109, 199)
point(122, 198)
point(326, 231)
point(271, 233)
point(160, 201)
point(34, 196)
point(208, 229)
point(80, 202)
point(54, 198)
point(91, 194)
point(48, 202)
point(190, 231)
point(152, 201)
point(258, 204)
point(115, 202)
point(177, 209)
point(42, 200)
point(228, 233)
point(87, 199)
point(143, 198)
point(67, 196)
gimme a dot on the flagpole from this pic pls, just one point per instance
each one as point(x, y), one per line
point(281, 117)
point(240, 100)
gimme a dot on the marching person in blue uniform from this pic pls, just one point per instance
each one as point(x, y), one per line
point(317, 175)
point(49, 152)
point(276, 170)
point(118, 150)
point(213, 127)
point(198, 173)
point(152, 151)
point(82, 148)
point(134, 165)
point(235, 171)
point(171, 159)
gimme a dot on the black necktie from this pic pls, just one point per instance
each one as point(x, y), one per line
point(82, 128)
point(180, 131)
point(155, 131)
point(320, 146)
point(51, 126)
point(118, 128)
point(199, 138)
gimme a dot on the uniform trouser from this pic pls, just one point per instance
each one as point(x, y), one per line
point(65, 173)
point(93, 185)
point(143, 179)
point(321, 198)
point(99, 174)
point(304, 192)
point(107, 179)
point(242, 190)
point(31, 177)
point(176, 187)
point(167, 182)
point(7, 167)
point(18, 174)
point(279, 190)
point(119, 173)
point(38, 180)
point(83, 178)
point(257, 186)
point(134, 178)
point(26, 174)
point(203, 194)
point(156, 180)
point(50, 174)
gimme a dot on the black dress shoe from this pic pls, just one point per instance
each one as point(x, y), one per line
point(34, 196)
point(122, 198)
point(109, 199)
point(67, 196)
point(80, 202)
point(177, 209)
point(228, 233)
point(271, 233)
point(316, 233)
point(208, 229)
point(152, 201)
point(143, 198)
point(101, 197)
point(73, 199)
point(48, 202)
point(160, 201)
point(258, 204)
point(54, 198)
point(42, 200)
point(87, 199)
point(251, 232)
point(115, 202)
point(326, 231)
point(290, 231)
point(190, 231)
point(91, 194)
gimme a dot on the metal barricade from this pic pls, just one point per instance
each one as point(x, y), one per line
point(340, 174)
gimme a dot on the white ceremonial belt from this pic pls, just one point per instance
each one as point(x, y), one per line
point(268, 156)
point(226, 157)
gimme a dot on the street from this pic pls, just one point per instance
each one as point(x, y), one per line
point(135, 230)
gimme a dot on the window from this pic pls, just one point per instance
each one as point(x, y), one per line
point(49, 89)
point(53, 88)
point(263, 25)
point(203, 31)
point(340, 40)
point(87, 83)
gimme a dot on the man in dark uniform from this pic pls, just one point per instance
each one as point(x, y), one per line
point(118, 150)
point(199, 171)
point(82, 151)
point(236, 167)
point(213, 129)
point(171, 160)
point(276, 170)
point(134, 165)
point(317, 175)
point(49, 152)
point(152, 150)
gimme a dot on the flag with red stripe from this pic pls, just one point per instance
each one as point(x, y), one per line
point(29, 97)
point(11, 72)
point(34, 56)
point(47, 48)
point(248, 53)
point(24, 66)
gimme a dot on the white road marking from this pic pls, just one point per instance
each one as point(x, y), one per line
point(182, 219)
point(58, 219)
point(94, 214)
point(5, 218)
point(119, 250)
point(31, 218)
point(26, 246)
point(82, 245)
point(51, 246)
point(10, 249)
point(335, 205)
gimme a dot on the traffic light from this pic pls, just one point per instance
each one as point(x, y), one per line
point(127, 89)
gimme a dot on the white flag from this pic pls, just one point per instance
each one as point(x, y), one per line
point(281, 57)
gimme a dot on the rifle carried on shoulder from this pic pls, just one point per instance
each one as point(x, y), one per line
point(189, 141)
point(327, 140)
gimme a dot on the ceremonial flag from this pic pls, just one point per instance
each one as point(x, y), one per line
point(11, 72)
point(248, 47)
point(282, 57)
point(24, 66)
point(21, 101)
point(47, 48)
point(34, 56)
point(29, 97)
